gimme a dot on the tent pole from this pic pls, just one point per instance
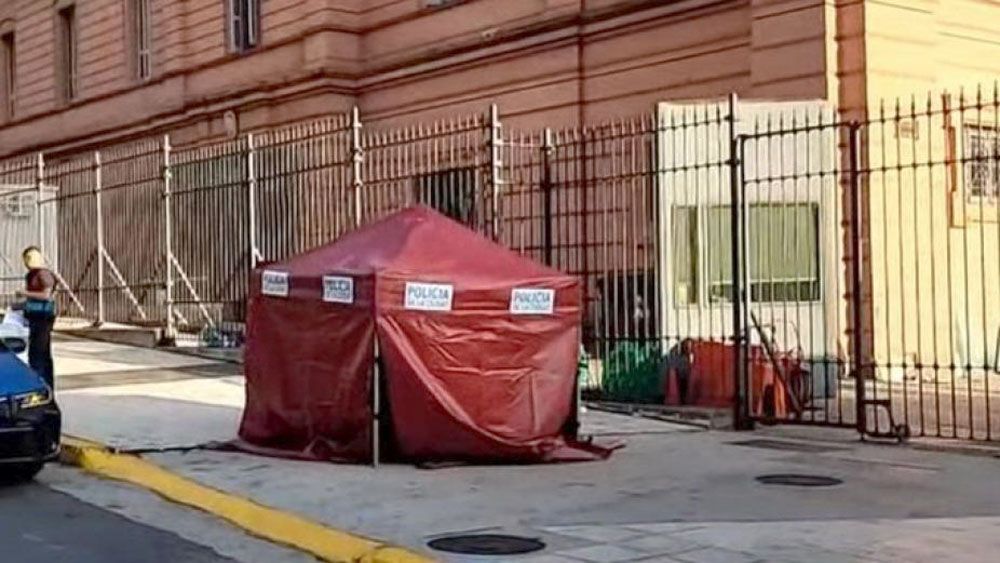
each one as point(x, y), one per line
point(376, 406)
point(577, 405)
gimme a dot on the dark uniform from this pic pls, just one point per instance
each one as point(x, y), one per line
point(678, 364)
point(41, 318)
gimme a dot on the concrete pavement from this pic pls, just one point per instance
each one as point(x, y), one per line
point(129, 397)
point(673, 494)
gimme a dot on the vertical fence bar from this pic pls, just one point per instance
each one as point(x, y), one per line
point(169, 328)
point(251, 162)
point(357, 164)
point(39, 197)
point(857, 334)
point(496, 142)
point(548, 148)
point(99, 230)
point(741, 416)
point(376, 438)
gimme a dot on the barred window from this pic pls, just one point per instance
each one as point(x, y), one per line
point(982, 162)
point(141, 33)
point(244, 24)
point(17, 206)
point(9, 74)
point(68, 59)
point(452, 192)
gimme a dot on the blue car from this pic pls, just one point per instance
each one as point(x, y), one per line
point(30, 421)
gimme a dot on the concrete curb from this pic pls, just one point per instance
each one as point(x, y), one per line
point(325, 543)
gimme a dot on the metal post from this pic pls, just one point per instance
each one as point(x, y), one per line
point(252, 200)
point(357, 162)
point(741, 418)
point(574, 426)
point(39, 197)
point(99, 218)
point(170, 331)
point(496, 141)
point(376, 406)
point(857, 319)
point(548, 149)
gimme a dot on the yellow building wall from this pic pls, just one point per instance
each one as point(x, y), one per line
point(934, 250)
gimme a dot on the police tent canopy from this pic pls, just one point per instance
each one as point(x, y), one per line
point(474, 349)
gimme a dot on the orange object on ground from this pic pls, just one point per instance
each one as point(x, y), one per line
point(712, 383)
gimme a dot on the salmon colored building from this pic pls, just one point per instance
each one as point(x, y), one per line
point(81, 73)
point(77, 75)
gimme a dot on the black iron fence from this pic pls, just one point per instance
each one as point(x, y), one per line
point(817, 269)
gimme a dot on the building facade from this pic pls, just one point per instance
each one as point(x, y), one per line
point(901, 94)
point(79, 73)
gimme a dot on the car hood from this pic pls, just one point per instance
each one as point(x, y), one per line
point(17, 378)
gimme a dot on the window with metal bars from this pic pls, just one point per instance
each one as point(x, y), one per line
point(982, 162)
point(141, 33)
point(9, 74)
point(68, 59)
point(452, 192)
point(244, 24)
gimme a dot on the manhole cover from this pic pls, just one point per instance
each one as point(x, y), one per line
point(487, 544)
point(799, 480)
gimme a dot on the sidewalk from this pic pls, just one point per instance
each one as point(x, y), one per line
point(673, 494)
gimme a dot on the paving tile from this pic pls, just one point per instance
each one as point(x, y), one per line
point(666, 527)
point(663, 544)
point(596, 534)
point(548, 559)
point(717, 555)
point(603, 554)
point(815, 556)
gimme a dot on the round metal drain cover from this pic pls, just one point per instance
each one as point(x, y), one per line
point(487, 544)
point(791, 480)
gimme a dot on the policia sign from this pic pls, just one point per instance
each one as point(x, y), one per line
point(529, 301)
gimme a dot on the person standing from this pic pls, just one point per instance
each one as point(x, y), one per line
point(40, 312)
point(678, 365)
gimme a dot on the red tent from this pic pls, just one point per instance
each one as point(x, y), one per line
point(477, 345)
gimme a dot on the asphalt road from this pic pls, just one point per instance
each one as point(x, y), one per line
point(38, 524)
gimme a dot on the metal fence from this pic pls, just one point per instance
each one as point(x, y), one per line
point(724, 230)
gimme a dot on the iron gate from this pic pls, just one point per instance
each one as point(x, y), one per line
point(886, 231)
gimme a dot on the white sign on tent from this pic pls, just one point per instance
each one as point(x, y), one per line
point(274, 283)
point(338, 289)
point(428, 296)
point(532, 301)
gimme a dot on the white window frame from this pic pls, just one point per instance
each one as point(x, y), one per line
point(18, 206)
point(141, 35)
point(991, 161)
point(243, 17)
point(702, 286)
point(9, 72)
point(68, 39)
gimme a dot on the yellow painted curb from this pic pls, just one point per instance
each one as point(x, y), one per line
point(264, 522)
